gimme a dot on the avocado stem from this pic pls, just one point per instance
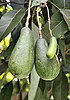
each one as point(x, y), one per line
point(39, 24)
point(40, 34)
point(49, 21)
point(28, 17)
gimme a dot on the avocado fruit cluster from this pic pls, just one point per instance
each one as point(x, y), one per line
point(25, 55)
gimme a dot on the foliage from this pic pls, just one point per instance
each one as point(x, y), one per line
point(13, 17)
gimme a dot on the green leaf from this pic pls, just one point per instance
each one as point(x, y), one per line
point(6, 91)
point(66, 15)
point(58, 26)
point(62, 47)
point(35, 32)
point(9, 21)
point(6, 53)
point(18, 4)
point(62, 3)
point(16, 33)
point(3, 67)
point(34, 84)
point(67, 38)
point(67, 4)
point(60, 87)
point(47, 90)
point(37, 2)
point(66, 68)
point(39, 95)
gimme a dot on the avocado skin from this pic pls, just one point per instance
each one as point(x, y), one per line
point(47, 69)
point(22, 57)
point(51, 52)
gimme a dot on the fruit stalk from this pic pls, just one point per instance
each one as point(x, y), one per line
point(49, 21)
point(28, 17)
point(39, 24)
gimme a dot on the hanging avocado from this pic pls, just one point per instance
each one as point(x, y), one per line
point(47, 69)
point(22, 57)
point(51, 52)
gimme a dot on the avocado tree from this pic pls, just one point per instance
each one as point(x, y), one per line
point(34, 49)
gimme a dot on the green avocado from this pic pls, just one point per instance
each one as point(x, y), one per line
point(22, 57)
point(47, 69)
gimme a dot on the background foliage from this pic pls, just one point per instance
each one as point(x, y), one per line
point(12, 19)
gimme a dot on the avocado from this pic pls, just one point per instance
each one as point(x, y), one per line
point(47, 69)
point(22, 57)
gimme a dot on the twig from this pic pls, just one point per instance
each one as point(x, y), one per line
point(49, 21)
point(28, 17)
point(40, 33)
point(20, 93)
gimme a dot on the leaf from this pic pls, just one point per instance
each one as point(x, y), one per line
point(66, 68)
point(18, 4)
point(34, 84)
point(58, 26)
point(6, 91)
point(60, 87)
point(62, 3)
point(6, 53)
point(3, 67)
point(67, 38)
point(16, 32)
point(37, 2)
point(35, 32)
point(47, 90)
point(39, 95)
point(62, 47)
point(9, 21)
point(66, 15)
point(67, 4)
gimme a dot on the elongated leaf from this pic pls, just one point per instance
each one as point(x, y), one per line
point(60, 29)
point(62, 3)
point(6, 92)
point(66, 15)
point(58, 26)
point(18, 4)
point(34, 84)
point(9, 21)
point(62, 47)
point(38, 2)
point(16, 32)
point(60, 87)
point(35, 32)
